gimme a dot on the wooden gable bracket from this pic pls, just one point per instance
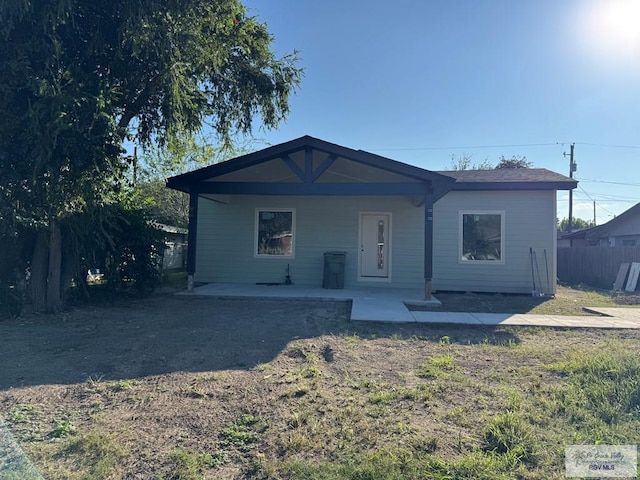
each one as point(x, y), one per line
point(309, 175)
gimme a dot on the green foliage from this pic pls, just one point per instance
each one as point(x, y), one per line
point(391, 464)
point(98, 452)
point(604, 385)
point(165, 205)
point(78, 78)
point(465, 163)
point(576, 224)
point(181, 152)
point(134, 253)
point(128, 251)
point(22, 414)
point(514, 162)
point(510, 435)
point(243, 433)
point(437, 366)
point(11, 301)
point(62, 428)
point(191, 465)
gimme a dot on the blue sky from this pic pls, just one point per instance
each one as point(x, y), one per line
point(422, 81)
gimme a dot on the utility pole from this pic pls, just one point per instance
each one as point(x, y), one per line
point(572, 168)
point(594, 213)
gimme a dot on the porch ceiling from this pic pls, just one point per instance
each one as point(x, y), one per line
point(341, 170)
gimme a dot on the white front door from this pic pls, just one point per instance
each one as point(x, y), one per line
point(374, 245)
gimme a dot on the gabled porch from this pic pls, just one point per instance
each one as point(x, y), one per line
point(312, 168)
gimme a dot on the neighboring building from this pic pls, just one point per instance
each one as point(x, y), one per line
point(278, 210)
point(577, 238)
point(175, 246)
point(620, 231)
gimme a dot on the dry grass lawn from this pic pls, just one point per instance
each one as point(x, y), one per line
point(191, 388)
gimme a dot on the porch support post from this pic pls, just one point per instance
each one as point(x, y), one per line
point(428, 244)
point(191, 239)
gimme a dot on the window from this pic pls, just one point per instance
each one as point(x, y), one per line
point(482, 237)
point(628, 242)
point(275, 232)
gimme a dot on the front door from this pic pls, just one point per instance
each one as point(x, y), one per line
point(374, 245)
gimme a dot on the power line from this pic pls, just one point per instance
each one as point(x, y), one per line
point(608, 145)
point(467, 147)
point(594, 201)
point(607, 200)
point(507, 145)
point(605, 181)
point(607, 196)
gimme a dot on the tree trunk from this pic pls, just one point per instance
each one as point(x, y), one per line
point(54, 293)
point(39, 269)
point(69, 268)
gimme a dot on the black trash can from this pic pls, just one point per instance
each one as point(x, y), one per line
point(333, 270)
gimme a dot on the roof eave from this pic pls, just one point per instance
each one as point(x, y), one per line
point(514, 185)
point(185, 181)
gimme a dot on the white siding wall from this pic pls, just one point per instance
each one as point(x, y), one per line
point(226, 239)
point(530, 221)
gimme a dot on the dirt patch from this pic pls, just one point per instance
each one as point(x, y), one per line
point(245, 379)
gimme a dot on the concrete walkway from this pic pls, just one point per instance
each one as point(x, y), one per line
point(390, 305)
point(14, 464)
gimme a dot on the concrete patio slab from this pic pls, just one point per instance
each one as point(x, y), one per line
point(413, 296)
point(390, 305)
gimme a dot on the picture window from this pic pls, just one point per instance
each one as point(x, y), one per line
point(275, 232)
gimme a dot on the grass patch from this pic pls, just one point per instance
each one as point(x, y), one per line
point(436, 367)
point(98, 452)
point(390, 464)
point(22, 414)
point(602, 392)
point(124, 385)
point(187, 465)
point(243, 433)
point(62, 428)
point(508, 434)
point(568, 301)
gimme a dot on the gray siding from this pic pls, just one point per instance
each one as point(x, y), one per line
point(530, 222)
point(226, 233)
point(226, 240)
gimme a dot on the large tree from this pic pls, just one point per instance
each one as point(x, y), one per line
point(514, 162)
point(464, 163)
point(79, 77)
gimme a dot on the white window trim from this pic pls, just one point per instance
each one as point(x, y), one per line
point(503, 249)
point(256, 232)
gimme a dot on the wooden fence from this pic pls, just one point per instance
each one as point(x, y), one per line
point(594, 266)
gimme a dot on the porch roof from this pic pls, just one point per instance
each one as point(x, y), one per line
point(310, 166)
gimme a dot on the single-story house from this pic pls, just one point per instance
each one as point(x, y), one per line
point(620, 231)
point(277, 211)
point(577, 238)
